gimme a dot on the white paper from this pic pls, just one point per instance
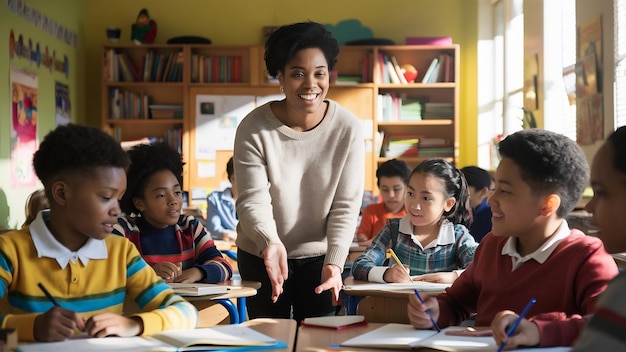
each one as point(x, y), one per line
point(419, 285)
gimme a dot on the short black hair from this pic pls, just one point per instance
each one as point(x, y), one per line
point(550, 163)
point(73, 149)
point(393, 168)
point(146, 160)
point(477, 177)
point(230, 170)
point(618, 140)
point(289, 39)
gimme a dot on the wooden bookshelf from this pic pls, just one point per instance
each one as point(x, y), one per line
point(240, 70)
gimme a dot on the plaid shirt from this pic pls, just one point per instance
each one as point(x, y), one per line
point(453, 249)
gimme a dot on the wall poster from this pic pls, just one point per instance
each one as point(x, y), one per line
point(24, 93)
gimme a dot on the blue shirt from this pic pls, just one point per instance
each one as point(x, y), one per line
point(221, 213)
point(481, 225)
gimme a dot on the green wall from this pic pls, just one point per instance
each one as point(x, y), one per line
point(70, 14)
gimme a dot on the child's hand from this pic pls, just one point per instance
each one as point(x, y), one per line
point(57, 324)
point(110, 324)
point(190, 275)
point(526, 334)
point(397, 273)
point(167, 271)
point(442, 277)
point(417, 311)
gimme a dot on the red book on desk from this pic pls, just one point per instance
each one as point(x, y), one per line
point(340, 322)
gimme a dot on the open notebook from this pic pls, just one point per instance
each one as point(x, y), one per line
point(406, 337)
point(423, 286)
point(218, 338)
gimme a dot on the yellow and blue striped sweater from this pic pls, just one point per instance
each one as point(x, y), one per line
point(100, 286)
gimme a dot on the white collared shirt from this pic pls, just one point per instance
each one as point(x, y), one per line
point(48, 246)
point(542, 253)
point(445, 236)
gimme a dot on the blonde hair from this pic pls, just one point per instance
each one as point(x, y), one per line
point(35, 202)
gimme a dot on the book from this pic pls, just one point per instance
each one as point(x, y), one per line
point(232, 337)
point(406, 337)
point(339, 322)
point(429, 72)
point(198, 289)
point(423, 286)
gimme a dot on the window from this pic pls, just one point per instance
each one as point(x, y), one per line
point(620, 60)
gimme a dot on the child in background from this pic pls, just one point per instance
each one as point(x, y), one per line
point(69, 251)
point(35, 203)
point(479, 182)
point(221, 212)
point(432, 237)
point(391, 179)
point(605, 328)
point(177, 246)
point(531, 251)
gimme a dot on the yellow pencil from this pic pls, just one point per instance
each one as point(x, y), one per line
point(392, 254)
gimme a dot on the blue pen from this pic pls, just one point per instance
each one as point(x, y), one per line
point(417, 293)
point(512, 328)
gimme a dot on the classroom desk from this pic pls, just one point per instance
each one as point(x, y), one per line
point(237, 314)
point(355, 251)
point(314, 339)
point(281, 329)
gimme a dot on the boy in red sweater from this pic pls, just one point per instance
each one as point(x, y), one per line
point(531, 252)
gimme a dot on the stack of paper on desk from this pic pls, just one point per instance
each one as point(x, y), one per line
point(197, 289)
point(419, 285)
point(218, 338)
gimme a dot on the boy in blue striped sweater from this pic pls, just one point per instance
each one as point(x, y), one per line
point(67, 249)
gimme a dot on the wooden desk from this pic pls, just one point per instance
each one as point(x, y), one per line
point(378, 305)
point(281, 329)
point(314, 339)
point(207, 316)
point(354, 252)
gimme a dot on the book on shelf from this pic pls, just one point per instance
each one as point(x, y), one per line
point(232, 337)
point(444, 40)
point(401, 146)
point(430, 71)
point(399, 71)
point(406, 337)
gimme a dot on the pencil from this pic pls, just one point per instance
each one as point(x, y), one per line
point(512, 328)
point(391, 253)
point(45, 292)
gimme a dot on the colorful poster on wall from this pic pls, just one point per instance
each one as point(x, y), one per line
point(62, 102)
point(24, 85)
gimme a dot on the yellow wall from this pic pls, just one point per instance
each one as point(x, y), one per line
point(241, 22)
point(68, 13)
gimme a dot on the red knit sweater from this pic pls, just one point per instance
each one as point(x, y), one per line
point(566, 287)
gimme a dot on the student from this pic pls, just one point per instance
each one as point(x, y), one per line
point(391, 179)
point(35, 203)
point(432, 237)
point(480, 183)
point(605, 328)
point(221, 212)
point(69, 251)
point(177, 246)
point(531, 252)
point(299, 170)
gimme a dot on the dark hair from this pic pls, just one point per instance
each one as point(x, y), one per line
point(393, 168)
point(476, 177)
point(456, 187)
point(230, 170)
point(76, 149)
point(550, 163)
point(618, 140)
point(146, 160)
point(289, 39)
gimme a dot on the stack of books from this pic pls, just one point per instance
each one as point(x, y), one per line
point(162, 111)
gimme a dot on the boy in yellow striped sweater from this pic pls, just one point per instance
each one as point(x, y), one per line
point(67, 249)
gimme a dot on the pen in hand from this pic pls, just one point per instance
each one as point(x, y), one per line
point(511, 329)
point(391, 254)
point(417, 293)
point(45, 292)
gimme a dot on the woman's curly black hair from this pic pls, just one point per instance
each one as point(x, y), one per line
point(146, 160)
